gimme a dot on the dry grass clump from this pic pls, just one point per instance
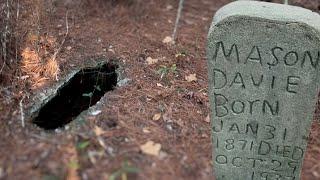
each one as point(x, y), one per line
point(37, 62)
point(40, 50)
point(26, 52)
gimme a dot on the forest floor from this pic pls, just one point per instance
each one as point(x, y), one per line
point(156, 123)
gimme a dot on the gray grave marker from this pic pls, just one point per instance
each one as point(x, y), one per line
point(263, 62)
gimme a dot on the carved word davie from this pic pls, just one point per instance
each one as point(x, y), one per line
point(223, 79)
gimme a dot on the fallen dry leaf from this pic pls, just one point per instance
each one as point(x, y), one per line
point(168, 40)
point(159, 85)
point(98, 131)
point(191, 77)
point(101, 142)
point(156, 117)
point(167, 116)
point(204, 136)
point(111, 50)
point(169, 7)
point(146, 130)
point(93, 155)
point(207, 119)
point(151, 61)
point(151, 148)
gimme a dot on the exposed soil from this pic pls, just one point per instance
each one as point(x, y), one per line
point(97, 145)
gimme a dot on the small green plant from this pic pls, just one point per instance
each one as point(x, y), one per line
point(90, 94)
point(50, 177)
point(173, 68)
point(83, 145)
point(97, 87)
point(123, 172)
point(183, 53)
point(164, 70)
point(74, 164)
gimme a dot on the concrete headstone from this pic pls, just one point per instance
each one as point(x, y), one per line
point(263, 62)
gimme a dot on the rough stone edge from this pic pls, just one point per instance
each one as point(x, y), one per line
point(315, 32)
point(239, 10)
point(47, 94)
point(277, 13)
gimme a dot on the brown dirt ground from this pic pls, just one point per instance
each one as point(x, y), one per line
point(135, 31)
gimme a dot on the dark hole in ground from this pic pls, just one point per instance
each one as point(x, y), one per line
point(83, 90)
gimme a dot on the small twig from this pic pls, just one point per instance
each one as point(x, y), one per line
point(18, 9)
point(21, 112)
point(4, 63)
point(177, 20)
point(16, 43)
point(38, 25)
point(43, 138)
point(63, 41)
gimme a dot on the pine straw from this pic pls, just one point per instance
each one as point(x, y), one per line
point(39, 66)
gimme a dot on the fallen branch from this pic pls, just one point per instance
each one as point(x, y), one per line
point(22, 112)
point(177, 20)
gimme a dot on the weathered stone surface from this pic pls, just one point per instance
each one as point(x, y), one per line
point(263, 62)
